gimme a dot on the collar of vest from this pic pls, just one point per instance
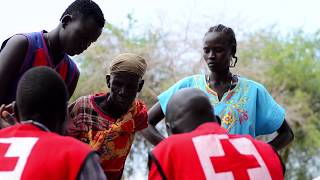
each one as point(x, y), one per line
point(39, 125)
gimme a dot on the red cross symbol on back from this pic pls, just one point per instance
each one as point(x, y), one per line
point(233, 161)
point(6, 163)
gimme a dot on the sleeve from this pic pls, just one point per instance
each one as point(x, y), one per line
point(270, 115)
point(141, 118)
point(72, 129)
point(73, 83)
point(91, 169)
point(73, 73)
point(164, 97)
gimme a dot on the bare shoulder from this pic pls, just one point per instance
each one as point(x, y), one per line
point(14, 51)
point(16, 43)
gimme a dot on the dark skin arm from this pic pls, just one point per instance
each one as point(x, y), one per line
point(285, 136)
point(151, 133)
point(11, 58)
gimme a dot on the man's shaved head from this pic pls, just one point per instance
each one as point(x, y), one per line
point(42, 97)
point(187, 109)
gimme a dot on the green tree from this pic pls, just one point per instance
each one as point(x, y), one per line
point(290, 67)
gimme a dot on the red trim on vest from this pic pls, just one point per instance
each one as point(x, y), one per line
point(63, 71)
point(40, 58)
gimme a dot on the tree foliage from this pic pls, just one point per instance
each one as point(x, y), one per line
point(291, 69)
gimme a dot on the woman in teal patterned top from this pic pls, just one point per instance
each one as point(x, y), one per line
point(244, 106)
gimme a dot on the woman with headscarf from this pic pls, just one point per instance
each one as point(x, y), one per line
point(108, 121)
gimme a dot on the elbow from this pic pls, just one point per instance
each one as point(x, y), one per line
point(287, 136)
point(287, 133)
point(290, 136)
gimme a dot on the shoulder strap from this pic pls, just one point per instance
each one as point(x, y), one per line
point(4, 44)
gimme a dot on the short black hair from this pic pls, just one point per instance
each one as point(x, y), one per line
point(86, 8)
point(41, 93)
point(187, 109)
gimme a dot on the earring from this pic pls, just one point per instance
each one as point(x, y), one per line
point(233, 64)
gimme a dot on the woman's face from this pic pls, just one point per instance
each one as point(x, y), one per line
point(123, 88)
point(217, 51)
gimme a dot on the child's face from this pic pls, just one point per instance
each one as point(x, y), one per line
point(78, 34)
point(124, 88)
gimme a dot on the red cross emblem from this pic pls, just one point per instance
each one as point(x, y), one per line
point(6, 163)
point(233, 161)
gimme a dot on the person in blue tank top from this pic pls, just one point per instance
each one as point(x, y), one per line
point(244, 106)
point(80, 25)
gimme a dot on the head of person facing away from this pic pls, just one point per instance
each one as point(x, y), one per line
point(80, 25)
point(42, 97)
point(125, 81)
point(219, 48)
point(187, 109)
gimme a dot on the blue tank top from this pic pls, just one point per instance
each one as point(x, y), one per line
point(38, 55)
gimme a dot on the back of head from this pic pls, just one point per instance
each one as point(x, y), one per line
point(86, 8)
point(42, 97)
point(187, 109)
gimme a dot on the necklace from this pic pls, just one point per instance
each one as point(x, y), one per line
point(231, 84)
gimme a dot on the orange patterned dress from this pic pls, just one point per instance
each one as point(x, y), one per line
point(111, 138)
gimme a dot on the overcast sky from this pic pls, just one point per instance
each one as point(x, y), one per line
point(18, 16)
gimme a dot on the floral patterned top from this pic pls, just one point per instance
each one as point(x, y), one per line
point(246, 109)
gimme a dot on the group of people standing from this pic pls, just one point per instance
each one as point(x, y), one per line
point(212, 119)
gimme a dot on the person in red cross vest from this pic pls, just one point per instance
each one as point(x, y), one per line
point(34, 149)
point(200, 149)
point(80, 25)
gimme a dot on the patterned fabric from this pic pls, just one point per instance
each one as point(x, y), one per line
point(111, 138)
point(38, 55)
point(246, 109)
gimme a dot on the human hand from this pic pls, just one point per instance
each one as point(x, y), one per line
point(7, 117)
point(3, 123)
